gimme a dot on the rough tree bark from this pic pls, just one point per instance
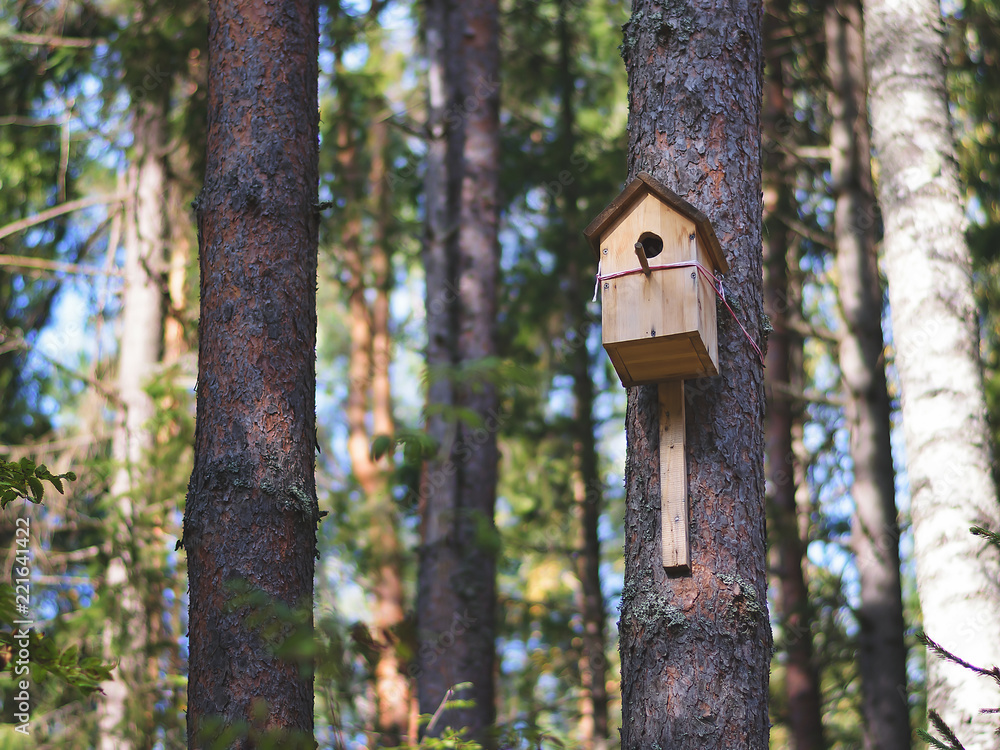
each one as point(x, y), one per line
point(695, 649)
point(456, 597)
point(783, 380)
point(126, 715)
point(935, 333)
point(881, 654)
point(251, 511)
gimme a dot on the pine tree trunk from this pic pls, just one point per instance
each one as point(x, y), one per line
point(456, 598)
point(126, 716)
point(875, 531)
point(181, 236)
point(392, 688)
point(783, 379)
point(369, 392)
point(588, 493)
point(936, 339)
point(696, 649)
point(587, 485)
point(251, 511)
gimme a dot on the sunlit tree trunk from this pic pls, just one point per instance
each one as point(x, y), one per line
point(456, 617)
point(391, 685)
point(875, 530)
point(783, 376)
point(696, 649)
point(176, 336)
point(251, 514)
point(934, 327)
point(369, 393)
point(126, 711)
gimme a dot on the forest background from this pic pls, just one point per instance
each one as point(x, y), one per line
point(102, 144)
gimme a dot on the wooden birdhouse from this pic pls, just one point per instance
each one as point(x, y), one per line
point(657, 257)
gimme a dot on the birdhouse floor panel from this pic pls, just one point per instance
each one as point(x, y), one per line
point(663, 358)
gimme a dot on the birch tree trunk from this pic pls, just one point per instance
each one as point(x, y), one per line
point(936, 339)
point(874, 529)
point(696, 649)
point(456, 600)
point(251, 512)
point(126, 715)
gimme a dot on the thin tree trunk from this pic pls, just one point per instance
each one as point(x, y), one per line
point(935, 334)
point(783, 377)
point(588, 494)
point(875, 530)
point(456, 615)
point(369, 384)
point(391, 685)
point(126, 716)
point(175, 340)
point(696, 649)
point(251, 511)
point(438, 565)
point(588, 487)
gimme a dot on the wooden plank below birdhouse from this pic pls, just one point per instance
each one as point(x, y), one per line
point(673, 478)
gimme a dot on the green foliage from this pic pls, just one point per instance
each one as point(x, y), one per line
point(217, 734)
point(417, 445)
point(475, 374)
point(45, 660)
point(524, 736)
point(23, 479)
point(22, 649)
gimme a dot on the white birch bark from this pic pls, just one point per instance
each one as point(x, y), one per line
point(139, 353)
point(936, 341)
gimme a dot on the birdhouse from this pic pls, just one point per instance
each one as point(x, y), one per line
point(657, 259)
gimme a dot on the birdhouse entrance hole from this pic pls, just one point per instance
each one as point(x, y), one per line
point(651, 243)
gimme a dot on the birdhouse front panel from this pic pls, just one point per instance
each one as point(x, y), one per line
point(659, 325)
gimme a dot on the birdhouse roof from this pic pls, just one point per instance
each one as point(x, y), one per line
point(645, 183)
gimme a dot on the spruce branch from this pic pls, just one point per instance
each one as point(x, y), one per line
point(948, 655)
point(944, 730)
point(990, 536)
